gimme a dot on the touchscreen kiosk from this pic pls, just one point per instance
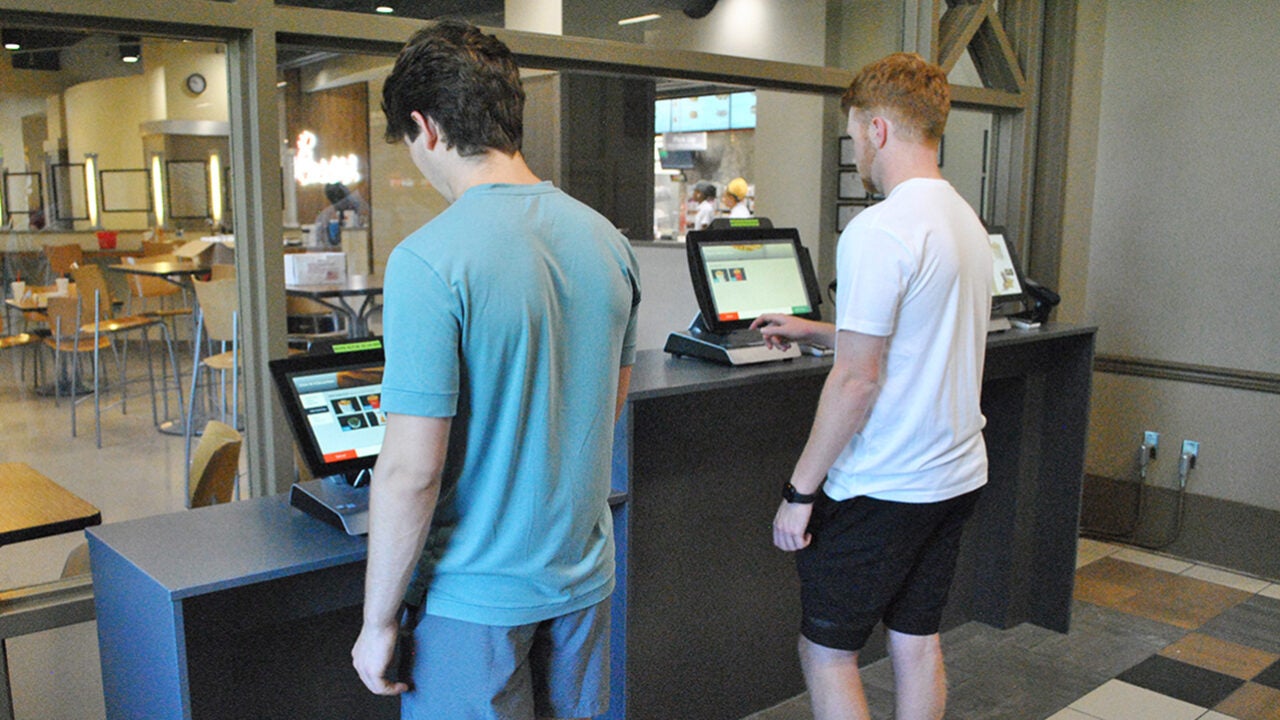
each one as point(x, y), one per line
point(1006, 280)
point(738, 275)
point(333, 402)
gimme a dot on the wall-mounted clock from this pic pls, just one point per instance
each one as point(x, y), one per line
point(196, 83)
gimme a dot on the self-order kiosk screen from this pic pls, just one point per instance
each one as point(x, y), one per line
point(343, 411)
point(748, 280)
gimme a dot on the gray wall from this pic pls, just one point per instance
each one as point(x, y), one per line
point(667, 302)
point(1183, 254)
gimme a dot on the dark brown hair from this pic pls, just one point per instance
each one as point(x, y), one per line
point(465, 80)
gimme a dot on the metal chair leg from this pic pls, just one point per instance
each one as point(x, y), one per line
point(97, 371)
point(187, 429)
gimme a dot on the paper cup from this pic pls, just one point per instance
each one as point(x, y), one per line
point(18, 288)
point(63, 284)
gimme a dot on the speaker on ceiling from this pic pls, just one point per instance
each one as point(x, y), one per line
point(698, 8)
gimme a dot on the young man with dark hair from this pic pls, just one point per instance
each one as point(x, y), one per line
point(895, 459)
point(509, 330)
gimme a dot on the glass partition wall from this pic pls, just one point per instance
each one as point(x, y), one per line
point(94, 143)
point(96, 138)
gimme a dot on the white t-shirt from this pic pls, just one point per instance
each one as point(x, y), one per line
point(706, 213)
point(740, 210)
point(916, 268)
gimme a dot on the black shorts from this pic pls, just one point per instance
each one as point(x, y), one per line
point(872, 560)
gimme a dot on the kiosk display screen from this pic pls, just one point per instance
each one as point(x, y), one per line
point(1006, 278)
point(334, 406)
point(741, 274)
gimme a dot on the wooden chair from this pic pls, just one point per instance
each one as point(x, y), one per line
point(310, 321)
point(152, 248)
point(34, 330)
point(60, 259)
point(66, 320)
point(77, 562)
point(144, 289)
point(211, 480)
point(217, 322)
point(20, 340)
point(92, 286)
point(215, 464)
point(222, 271)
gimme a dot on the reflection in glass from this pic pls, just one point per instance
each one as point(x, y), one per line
point(125, 190)
point(188, 188)
point(22, 195)
point(81, 100)
point(69, 195)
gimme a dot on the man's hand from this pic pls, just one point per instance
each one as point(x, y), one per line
point(780, 330)
point(790, 526)
point(372, 656)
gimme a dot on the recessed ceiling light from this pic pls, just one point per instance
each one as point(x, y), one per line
point(639, 19)
point(12, 46)
point(384, 9)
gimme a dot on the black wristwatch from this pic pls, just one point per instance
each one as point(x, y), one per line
point(790, 494)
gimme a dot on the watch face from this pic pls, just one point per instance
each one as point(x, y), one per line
point(195, 83)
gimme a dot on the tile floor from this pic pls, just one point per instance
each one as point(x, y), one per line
point(1152, 638)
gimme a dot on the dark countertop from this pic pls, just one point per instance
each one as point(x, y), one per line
point(658, 374)
point(198, 551)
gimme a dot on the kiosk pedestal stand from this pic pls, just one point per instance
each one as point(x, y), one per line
point(733, 348)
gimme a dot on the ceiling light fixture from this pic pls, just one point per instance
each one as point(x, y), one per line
point(384, 9)
point(639, 19)
point(130, 48)
point(10, 39)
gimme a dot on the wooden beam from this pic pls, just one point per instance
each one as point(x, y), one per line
point(993, 54)
point(987, 98)
point(958, 26)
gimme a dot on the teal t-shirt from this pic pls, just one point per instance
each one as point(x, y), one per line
point(511, 312)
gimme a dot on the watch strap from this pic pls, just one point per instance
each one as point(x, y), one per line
point(791, 495)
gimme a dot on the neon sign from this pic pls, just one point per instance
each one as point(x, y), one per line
point(307, 170)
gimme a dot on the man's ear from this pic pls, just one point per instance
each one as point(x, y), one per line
point(879, 131)
point(428, 127)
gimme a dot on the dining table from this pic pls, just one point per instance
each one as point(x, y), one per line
point(36, 506)
point(178, 272)
point(356, 299)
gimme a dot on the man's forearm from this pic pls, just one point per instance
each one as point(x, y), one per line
point(822, 333)
point(402, 500)
point(399, 519)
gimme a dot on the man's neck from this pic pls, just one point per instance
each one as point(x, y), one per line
point(908, 162)
point(492, 167)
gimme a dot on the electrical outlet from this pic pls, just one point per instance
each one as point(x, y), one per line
point(1151, 439)
point(1191, 448)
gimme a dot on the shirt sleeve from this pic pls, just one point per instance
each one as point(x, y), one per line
point(421, 331)
point(875, 270)
point(629, 338)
